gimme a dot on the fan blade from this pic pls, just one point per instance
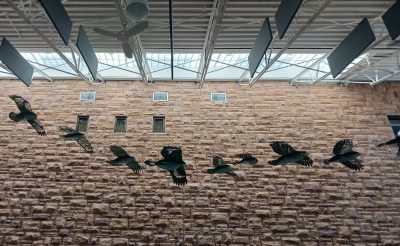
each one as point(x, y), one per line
point(138, 28)
point(127, 49)
point(105, 32)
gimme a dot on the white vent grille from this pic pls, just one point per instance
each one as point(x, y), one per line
point(218, 97)
point(87, 96)
point(160, 96)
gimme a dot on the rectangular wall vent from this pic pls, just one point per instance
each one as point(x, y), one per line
point(218, 97)
point(87, 96)
point(160, 96)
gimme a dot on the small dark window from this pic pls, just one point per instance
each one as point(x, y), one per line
point(395, 124)
point(120, 124)
point(82, 123)
point(158, 124)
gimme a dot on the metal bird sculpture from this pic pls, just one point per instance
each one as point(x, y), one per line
point(289, 155)
point(344, 154)
point(124, 158)
point(173, 163)
point(393, 142)
point(246, 159)
point(26, 114)
point(221, 168)
point(73, 135)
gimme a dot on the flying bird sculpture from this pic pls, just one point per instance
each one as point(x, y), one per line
point(393, 142)
point(123, 158)
point(246, 159)
point(173, 163)
point(289, 155)
point(344, 154)
point(26, 113)
point(221, 168)
point(73, 135)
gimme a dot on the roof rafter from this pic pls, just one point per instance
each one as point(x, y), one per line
point(290, 41)
point(137, 48)
point(48, 41)
point(213, 28)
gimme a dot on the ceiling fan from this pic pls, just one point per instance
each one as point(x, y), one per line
point(124, 35)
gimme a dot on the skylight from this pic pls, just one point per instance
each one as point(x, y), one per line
point(223, 66)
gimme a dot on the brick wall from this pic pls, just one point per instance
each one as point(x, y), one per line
point(53, 193)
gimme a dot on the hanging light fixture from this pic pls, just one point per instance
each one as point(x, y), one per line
point(137, 9)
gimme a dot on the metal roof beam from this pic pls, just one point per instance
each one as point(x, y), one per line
point(47, 40)
point(137, 48)
point(214, 25)
point(290, 41)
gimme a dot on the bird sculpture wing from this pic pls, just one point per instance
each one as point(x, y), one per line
point(232, 174)
point(118, 151)
point(179, 176)
point(16, 117)
point(172, 153)
point(282, 148)
point(354, 164)
point(22, 104)
point(343, 146)
point(134, 165)
point(86, 144)
point(392, 142)
point(307, 161)
point(68, 130)
point(218, 161)
point(37, 126)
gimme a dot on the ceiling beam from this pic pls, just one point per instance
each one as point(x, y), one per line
point(290, 41)
point(373, 65)
point(48, 41)
point(213, 28)
point(171, 37)
point(137, 47)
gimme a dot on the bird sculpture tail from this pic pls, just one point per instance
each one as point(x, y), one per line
point(274, 162)
point(149, 163)
point(113, 163)
point(68, 137)
point(210, 171)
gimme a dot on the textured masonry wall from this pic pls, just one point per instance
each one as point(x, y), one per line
point(53, 193)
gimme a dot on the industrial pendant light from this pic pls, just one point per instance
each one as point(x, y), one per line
point(137, 9)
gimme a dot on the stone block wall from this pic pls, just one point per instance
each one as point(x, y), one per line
point(53, 193)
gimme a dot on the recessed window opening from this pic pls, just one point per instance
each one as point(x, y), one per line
point(82, 123)
point(120, 124)
point(395, 124)
point(159, 124)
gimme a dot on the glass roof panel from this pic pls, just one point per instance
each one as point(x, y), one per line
point(223, 66)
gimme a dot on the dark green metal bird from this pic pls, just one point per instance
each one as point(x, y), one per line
point(73, 135)
point(221, 168)
point(26, 114)
point(289, 155)
point(124, 158)
point(246, 159)
point(173, 163)
point(393, 142)
point(344, 154)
